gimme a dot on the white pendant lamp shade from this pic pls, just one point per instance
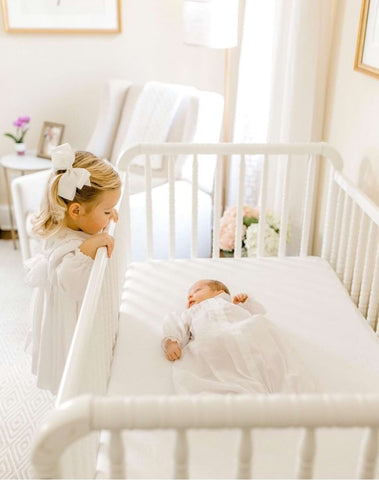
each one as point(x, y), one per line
point(211, 23)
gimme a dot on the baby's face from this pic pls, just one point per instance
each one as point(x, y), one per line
point(199, 292)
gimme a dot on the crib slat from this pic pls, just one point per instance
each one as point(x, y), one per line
point(351, 247)
point(262, 207)
point(373, 303)
point(329, 218)
point(308, 207)
point(284, 209)
point(149, 208)
point(359, 259)
point(239, 216)
point(306, 455)
point(369, 452)
point(181, 454)
point(195, 170)
point(245, 454)
point(125, 220)
point(367, 270)
point(171, 180)
point(217, 209)
point(341, 254)
point(116, 455)
point(337, 228)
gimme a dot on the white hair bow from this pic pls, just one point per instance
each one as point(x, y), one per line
point(63, 158)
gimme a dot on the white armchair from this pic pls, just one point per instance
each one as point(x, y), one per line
point(135, 114)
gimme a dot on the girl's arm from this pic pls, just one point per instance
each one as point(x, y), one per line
point(73, 273)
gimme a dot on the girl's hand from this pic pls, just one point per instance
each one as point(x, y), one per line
point(89, 247)
point(114, 215)
point(240, 298)
point(173, 350)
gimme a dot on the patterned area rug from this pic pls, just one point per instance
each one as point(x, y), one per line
point(23, 406)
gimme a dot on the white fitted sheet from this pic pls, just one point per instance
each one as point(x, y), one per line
point(305, 299)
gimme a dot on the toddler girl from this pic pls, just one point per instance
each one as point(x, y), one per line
point(225, 346)
point(79, 204)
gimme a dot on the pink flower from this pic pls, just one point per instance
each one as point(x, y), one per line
point(228, 225)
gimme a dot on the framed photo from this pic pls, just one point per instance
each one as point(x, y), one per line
point(62, 16)
point(367, 50)
point(51, 136)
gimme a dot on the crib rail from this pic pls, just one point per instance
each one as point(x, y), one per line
point(244, 412)
point(289, 156)
point(350, 244)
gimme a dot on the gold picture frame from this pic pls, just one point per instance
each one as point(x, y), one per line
point(51, 137)
point(61, 16)
point(367, 50)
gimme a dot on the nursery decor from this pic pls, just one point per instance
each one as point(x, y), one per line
point(51, 136)
point(61, 16)
point(366, 54)
point(21, 125)
point(250, 232)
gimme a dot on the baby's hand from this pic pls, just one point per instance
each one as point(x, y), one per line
point(173, 350)
point(240, 298)
point(89, 247)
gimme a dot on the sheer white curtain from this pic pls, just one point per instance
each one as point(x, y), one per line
point(282, 77)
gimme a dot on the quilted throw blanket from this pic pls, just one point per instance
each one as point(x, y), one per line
point(153, 115)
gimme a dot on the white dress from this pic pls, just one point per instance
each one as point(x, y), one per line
point(228, 349)
point(60, 274)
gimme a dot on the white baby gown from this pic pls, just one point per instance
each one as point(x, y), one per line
point(60, 274)
point(228, 349)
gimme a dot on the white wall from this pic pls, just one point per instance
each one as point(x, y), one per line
point(352, 110)
point(59, 78)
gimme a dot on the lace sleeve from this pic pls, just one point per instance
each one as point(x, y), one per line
point(177, 328)
point(73, 273)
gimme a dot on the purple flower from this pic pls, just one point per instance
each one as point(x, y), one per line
point(22, 127)
point(25, 119)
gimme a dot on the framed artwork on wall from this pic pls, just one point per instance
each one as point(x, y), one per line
point(62, 16)
point(51, 137)
point(367, 50)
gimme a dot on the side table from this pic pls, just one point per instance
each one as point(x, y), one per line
point(24, 164)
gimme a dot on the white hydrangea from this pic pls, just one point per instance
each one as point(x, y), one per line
point(271, 237)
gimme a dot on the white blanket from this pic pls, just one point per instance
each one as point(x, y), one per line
point(228, 349)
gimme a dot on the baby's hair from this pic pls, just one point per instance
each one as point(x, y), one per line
point(216, 285)
point(103, 178)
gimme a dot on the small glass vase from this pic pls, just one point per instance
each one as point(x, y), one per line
point(20, 148)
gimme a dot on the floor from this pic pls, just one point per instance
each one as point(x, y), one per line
point(23, 406)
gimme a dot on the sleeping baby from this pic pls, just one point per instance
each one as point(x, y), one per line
point(225, 345)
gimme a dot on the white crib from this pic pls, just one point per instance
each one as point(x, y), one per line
point(91, 401)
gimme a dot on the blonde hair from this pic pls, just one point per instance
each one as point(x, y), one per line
point(103, 177)
point(216, 285)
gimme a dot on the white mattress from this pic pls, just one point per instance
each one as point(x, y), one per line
point(305, 299)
